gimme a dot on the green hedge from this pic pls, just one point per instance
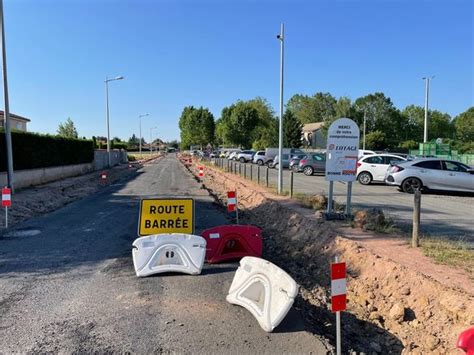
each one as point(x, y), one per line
point(31, 151)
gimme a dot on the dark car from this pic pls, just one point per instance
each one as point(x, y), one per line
point(295, 160)
point(313, 163)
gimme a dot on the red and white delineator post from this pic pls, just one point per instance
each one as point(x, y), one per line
point(232, 204)
point(201, 172)
point(6, 202)
point(338, 296)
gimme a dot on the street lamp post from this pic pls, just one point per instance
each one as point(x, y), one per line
point(280, 128)
point(140, 118)
point(107, 114)
point(427, 92)
point(365, 124)
point(151, 139)
point(6, 116)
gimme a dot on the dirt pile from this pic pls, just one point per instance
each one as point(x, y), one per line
point(38, 200)
point(391, 309)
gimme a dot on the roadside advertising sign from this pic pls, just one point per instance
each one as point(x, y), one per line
point(342, 150)
point(158, 216)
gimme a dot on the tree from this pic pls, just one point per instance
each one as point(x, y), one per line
point(439, 124)
point(381, 115)
point(265, 133)
point(317, 108)
point(342, 108)
point(237, 124)
point(197, 127)
point(464, 125)
point(67, 129)
point(376, 140)
point(291, 130)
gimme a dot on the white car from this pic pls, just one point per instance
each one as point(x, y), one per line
point(374, 167)
point(363, 153)
point(233, 155)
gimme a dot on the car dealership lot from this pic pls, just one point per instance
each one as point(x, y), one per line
point(442, 213)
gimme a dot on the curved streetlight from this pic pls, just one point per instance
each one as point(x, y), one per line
point(140, 118)
point(107, 80)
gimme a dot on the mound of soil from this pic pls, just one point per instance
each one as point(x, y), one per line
point(391, 308)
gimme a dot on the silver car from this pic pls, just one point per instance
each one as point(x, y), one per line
point(259, 157)
point(245, 156)
point(431, 173)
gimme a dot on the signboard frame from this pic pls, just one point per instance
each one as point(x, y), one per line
point(345, 148)
point(338, 145)
point(167, 199)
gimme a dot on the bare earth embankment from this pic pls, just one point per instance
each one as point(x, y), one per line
point(393, 306)
point(38, 200)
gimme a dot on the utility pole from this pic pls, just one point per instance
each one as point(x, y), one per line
point(427, 93)
point(151, 139)
point(280, 133)
point(365, 123)
point(107, 114)
point(8, 135)
point(140, 119)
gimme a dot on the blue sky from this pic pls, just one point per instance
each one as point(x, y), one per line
point(211, 53)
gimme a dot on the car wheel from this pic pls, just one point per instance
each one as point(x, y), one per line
point(308, 170)
point(364, 178)
point(294, 168)
point(412, 184)
point(270, 163)
point(260, 162)
point(242, 160)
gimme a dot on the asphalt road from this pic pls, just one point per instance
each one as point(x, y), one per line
point(442, 214)
point(68, 285)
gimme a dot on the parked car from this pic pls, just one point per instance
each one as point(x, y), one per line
point(233, 155)
point(271, 153)
point(295, 160)
point(286, 162)
point(363, 152)
point(313, 163)
point(245, 156)
point(374, 167)
point(259, 157)
point(431, 173)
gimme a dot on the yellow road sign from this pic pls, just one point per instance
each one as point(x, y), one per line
point(159, 216)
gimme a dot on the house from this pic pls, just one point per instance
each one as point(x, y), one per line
point(312, 135)
point(16, 122)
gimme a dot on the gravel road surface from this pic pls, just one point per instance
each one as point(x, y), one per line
point(68, 285)
point(442, 214)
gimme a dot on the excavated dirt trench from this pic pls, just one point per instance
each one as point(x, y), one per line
point(391, 309)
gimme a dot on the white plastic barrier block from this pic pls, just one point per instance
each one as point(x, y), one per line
point(174, 252)
point(264, 290)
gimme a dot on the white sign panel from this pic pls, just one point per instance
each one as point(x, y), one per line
point(342, 150)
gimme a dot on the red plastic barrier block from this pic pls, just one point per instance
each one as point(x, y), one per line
point(466, 341)
point(231, 242)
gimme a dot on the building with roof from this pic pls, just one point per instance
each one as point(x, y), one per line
point(312, 135)
point(17, 122)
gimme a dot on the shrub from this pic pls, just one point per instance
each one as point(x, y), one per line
point(32, 150)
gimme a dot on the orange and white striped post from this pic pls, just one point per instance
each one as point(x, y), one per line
point(338, 296)
point(6, 202)
point(232, 204)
